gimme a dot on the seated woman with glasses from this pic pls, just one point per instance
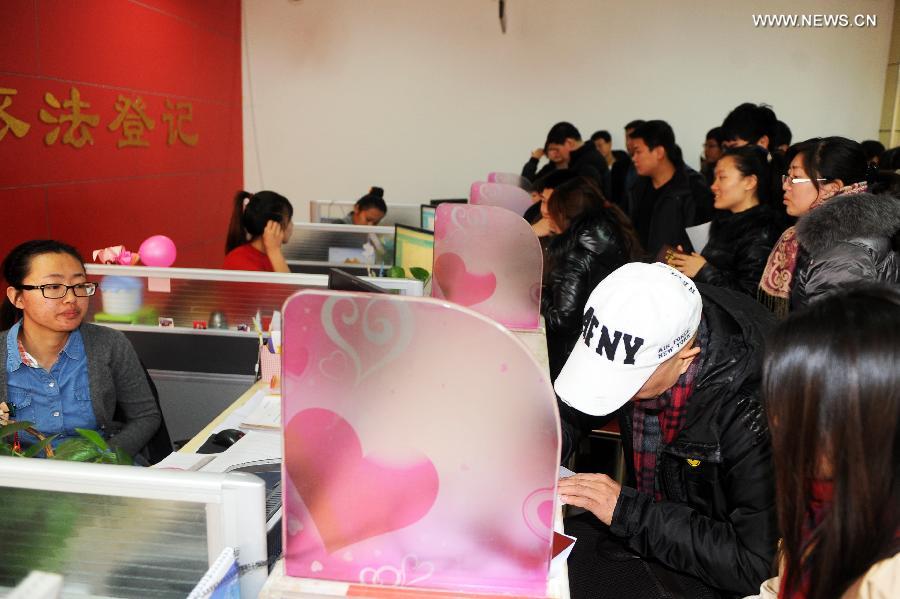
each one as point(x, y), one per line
point(842, 236)
point(59, 372)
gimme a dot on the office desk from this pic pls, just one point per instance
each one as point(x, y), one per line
point(200, 438)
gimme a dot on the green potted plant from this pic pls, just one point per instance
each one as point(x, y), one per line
point(89, 446)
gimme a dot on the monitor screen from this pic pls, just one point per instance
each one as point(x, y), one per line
point(428, 217)
point(413, 247)
point(344, 281)
point(451, 200)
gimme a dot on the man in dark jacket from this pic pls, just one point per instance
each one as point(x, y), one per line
point(667, 196)
point(681, 366)
point(583, 158)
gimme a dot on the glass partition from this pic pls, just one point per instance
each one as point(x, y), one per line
point(119, 531)
point(337, 244)
point(402, 417)
point(488, 259)
point(221, 299)
point(403, 214)
point(502, 195)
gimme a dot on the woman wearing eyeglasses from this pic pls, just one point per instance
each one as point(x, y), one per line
point(842, 236)
point(59, 372)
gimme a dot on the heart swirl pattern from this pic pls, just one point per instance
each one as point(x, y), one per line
point(369, 338)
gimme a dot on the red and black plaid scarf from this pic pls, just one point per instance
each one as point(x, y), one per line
point(656, 422)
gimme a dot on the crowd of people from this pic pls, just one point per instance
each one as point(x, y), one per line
point(754, 380)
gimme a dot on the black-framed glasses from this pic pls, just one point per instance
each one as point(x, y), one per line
point(59, 291)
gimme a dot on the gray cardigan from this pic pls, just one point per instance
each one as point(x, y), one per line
point(116, 379)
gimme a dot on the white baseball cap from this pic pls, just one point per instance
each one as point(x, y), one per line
point(635, 319)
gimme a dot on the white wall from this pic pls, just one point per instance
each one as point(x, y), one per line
point(422, 97)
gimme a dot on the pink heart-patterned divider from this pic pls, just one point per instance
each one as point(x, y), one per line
point(488, 259)
point(502, 195)
point(402, 417)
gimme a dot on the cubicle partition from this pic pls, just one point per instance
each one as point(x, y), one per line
point(115, 531)
point(488, 259)
point(390, 454)
point(316, 247)
point(198, 371)
point(397, 214)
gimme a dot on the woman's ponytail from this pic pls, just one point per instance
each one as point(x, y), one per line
point(237, 236)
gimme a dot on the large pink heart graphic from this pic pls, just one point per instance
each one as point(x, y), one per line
point(460, 285)
point(352, 497)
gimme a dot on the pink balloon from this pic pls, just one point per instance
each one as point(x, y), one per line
point(157, 250)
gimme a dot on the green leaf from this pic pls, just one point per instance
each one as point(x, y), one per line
point(77, 450)
point(419, 273)
point(14, 427)
point(94, 437)
point(123, 458)
point(396, 272)
point(38, 447)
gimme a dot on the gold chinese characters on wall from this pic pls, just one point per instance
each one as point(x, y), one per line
point(70, 117)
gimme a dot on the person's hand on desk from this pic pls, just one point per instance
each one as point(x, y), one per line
point(596, 493)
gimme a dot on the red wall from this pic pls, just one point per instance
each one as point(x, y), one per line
point(180, 51)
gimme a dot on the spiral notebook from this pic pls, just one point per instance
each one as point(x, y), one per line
point(222, 580)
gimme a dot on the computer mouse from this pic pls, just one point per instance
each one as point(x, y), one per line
point(227, 437)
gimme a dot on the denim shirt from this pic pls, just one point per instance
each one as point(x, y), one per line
point(57, 402)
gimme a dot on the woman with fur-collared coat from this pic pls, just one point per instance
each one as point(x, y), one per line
point(848, 239)
point(844, 235)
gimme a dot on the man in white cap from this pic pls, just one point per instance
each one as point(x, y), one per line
point(680, 367)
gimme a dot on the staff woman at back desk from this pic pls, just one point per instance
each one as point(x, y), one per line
point(260, 224)
point(368, 210)
point(61, 373)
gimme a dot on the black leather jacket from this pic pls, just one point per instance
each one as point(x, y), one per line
point(845, 240)
point(738, 247)
point(578, 259)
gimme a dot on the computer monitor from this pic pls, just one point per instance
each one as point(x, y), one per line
point(413, 247)
point(427, 214)
point(450, 200)
point(340, 280)
point(116, 531)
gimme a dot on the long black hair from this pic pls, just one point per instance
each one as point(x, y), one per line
point(17, 265)
point(580, 199)
point(252, 219)
point(832, 394)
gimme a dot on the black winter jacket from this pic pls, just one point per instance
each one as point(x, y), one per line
point(738, 247)
point(578, 259)
point(587, 161)
point(686, 201)
point(845, 240)
point(717, 517)
point(530, 170)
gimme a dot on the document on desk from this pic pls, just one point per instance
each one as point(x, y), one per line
point(266, 415)
point(184, 461)
point(255, 446)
